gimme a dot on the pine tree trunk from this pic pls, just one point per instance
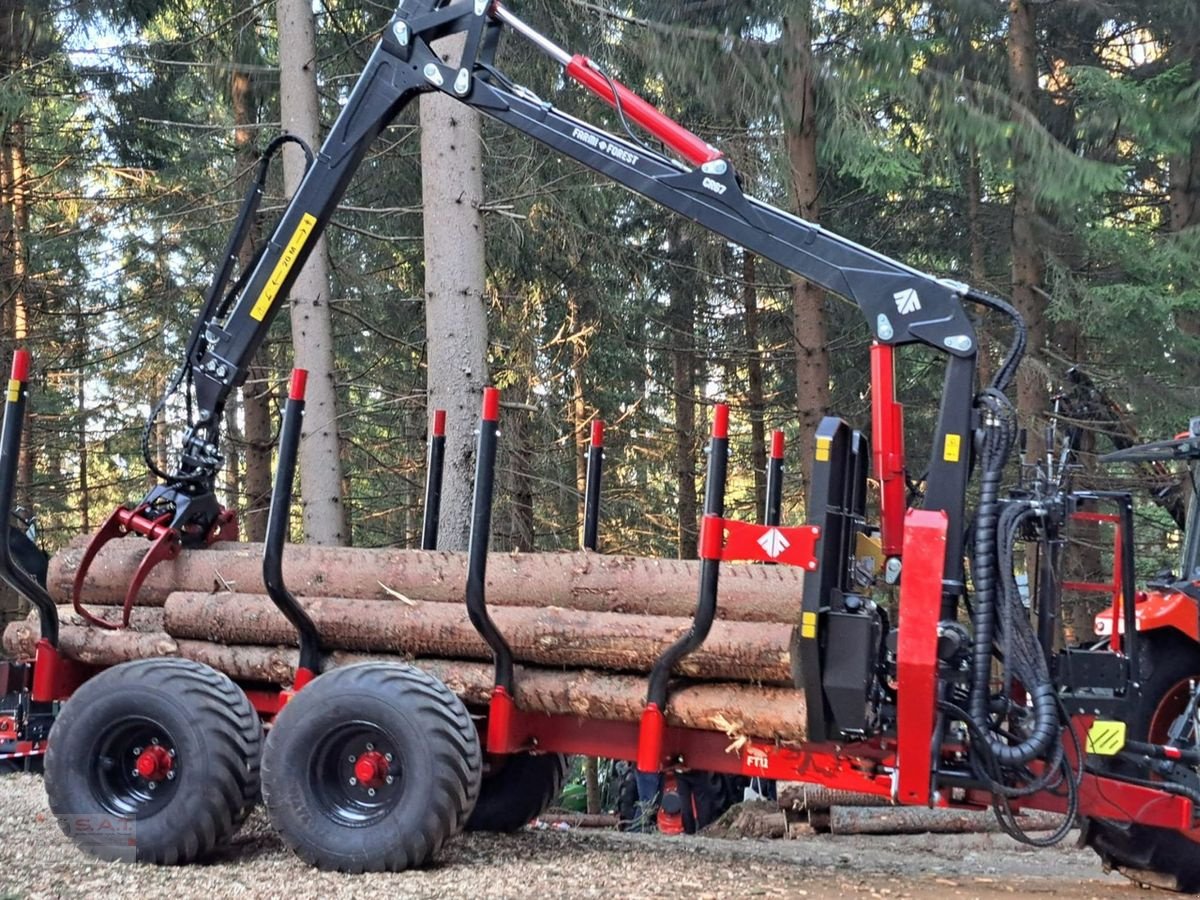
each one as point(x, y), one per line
point(579, 413)
point(1033, 396)
point(85, 505)
point(256, 392)
point(754, 372)
point(455, 278)
point(809, 319)
point(973, 183)
point(312, 318)
point(681, 335)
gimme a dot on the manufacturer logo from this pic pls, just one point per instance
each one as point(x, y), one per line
point(907, 302)
point(773, 543)
point(756, 759)
point(715, 186)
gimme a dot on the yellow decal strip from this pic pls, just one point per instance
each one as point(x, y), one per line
point(808, 625)
point(823, 447)
point(14, 390)
point(953, 451)
point(290, 254)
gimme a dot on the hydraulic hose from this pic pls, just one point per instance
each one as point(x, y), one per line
point(995, 535)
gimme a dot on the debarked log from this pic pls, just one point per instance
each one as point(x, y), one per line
point(550, 636)
point(583, 581)
point(770, 713)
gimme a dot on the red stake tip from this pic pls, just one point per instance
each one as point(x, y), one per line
point(720, 421)
point(598, 433)
point(439, 423)
point(20, 365)
point(777, 445)
point(491, 404)
point(299, 384)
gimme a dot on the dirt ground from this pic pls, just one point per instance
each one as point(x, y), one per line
point(36, 861)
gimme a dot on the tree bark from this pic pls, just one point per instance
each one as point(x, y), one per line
point(809, 319)
point(800, 796)
point(256, 391)
point(763, 712)
point(312, 318)
point(616, 642)
point(580, 581)
point(681, 331)
point(916, 820)
point(579, 413)
point(455, 278)
point(754, 373)
point(1033, 396)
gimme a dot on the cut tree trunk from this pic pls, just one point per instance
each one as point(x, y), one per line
point(551, 636)
point(582, 581)
point(95, 646)
point(918, 820)
point(764, 712)
point(800, 796)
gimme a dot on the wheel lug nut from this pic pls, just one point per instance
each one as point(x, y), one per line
point(370, 746)
point(137, 751)
point(136, 774)
point(154, 741)
point(353, 781)
point(154, 785)
point(170, 776)
point(388, 757)
point(370, 792)
point(389, 779)
point(353, 758)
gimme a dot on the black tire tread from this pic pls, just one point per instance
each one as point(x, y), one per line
point(518, 792)
point(234, 737)
point(457, 761)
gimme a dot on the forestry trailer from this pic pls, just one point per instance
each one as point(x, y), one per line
point(909, 679)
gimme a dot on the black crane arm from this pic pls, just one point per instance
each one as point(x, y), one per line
point(901, 304)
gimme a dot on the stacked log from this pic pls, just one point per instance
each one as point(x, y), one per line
point(619, 642)
point(584, 628)
point(587, 582)
point(768, 712)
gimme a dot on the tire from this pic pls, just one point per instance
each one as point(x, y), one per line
point(371, 768)
point(1156, 857)
point(191, 745)
point(516, 790)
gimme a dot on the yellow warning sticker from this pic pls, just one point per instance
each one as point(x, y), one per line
point(823, 445)
point(808, 625)
point(953, 448)
point(1106, 738)
point(286, 262)
point(14, 390)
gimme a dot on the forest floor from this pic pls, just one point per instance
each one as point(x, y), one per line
point(37, 861)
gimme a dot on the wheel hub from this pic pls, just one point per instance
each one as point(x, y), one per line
point(155, 763)
point(371, 769)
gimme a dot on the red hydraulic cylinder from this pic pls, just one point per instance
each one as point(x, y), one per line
point(887, 427)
